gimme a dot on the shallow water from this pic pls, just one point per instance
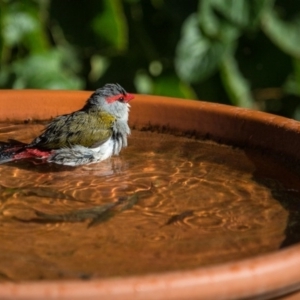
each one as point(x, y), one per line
point(166, 203)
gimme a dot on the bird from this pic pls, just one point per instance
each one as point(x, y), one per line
point(92, 134)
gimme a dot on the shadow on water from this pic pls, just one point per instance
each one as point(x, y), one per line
point(194, 203)
point(95, 214)
point(290, 200)
point(283, 180)
point(39, 166)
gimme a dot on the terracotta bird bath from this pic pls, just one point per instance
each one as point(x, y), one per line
point(276, 274)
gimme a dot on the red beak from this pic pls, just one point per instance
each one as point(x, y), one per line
point(128, 97)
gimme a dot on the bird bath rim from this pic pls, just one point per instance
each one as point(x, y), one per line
point(260, 276)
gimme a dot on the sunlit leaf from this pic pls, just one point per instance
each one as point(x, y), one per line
point(234, 11)
point(23, 26)
point(236, 85)
point(256, 10)
point(16, 26)
point(46, 70)
point(143, 82)
point(221, 19)
point(111, 25)
point(208, 21)
point(99, 65)
point(164, 85)
point(286, 35)
point(197, 56)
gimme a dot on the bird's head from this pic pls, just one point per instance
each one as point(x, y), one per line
point(111, 98)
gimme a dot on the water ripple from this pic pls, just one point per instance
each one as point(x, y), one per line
point(171, 202)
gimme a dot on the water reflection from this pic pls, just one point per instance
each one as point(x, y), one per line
point(166, 203)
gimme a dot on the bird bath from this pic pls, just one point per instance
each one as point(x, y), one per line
point(191, 218)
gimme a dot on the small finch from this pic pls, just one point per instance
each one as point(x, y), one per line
point(91, 134)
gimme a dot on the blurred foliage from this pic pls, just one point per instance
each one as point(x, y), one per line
point(239, 52)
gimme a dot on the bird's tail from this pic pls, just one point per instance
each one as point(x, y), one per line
point(9, 150)
point(14, 150)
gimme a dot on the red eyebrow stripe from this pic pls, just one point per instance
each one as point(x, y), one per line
point(128, 97)
point(114, 98)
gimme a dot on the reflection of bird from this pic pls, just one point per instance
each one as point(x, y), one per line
point(91, 134)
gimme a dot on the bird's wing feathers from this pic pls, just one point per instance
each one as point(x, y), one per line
point(89, 129)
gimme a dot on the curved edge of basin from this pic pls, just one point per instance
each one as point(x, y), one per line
point(265, 276)
point(218, 122)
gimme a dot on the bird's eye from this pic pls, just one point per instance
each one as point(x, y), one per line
point(121, 99)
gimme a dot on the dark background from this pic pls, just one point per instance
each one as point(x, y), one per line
point(239, 52)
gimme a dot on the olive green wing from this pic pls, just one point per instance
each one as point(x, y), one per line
point(89, 129)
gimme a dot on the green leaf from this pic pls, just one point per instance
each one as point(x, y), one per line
point(171, 86)
point(237, 12)
point(256, 10)
point(292, 85)
point(222, 20)
point(197, 56)
point(4, 75)
point(23, 24)
point(99, 65)
point(16, 26)
point(236, 85)
point(111, 25)
point(143, 82)
point(208, 21)
point(164, 85)
point(49, 70)
point(286, 35)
